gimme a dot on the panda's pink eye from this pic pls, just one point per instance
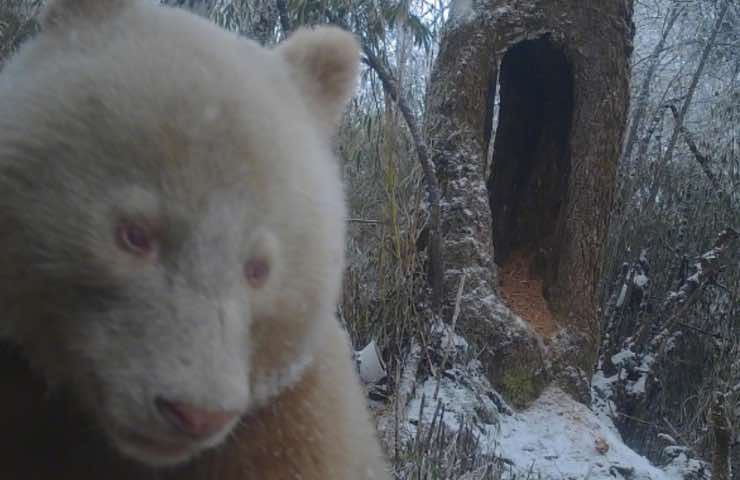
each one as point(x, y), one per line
point(135, 239)
point(256, 271)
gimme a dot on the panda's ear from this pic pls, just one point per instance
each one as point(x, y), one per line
point(63, 13)
point(324, 61)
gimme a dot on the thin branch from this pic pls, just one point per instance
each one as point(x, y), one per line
point(365, 221)
point(391, 88)
point(701, 159)
point(706, 270)
point(642, 98)
point(285, 24)
point(668, 156)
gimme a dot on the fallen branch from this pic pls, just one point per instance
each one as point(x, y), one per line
point(366, 221)
point(677, 302)
point(705, 269)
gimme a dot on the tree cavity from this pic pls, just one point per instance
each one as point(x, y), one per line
point(530, 164)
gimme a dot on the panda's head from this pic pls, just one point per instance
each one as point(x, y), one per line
point(178, 215)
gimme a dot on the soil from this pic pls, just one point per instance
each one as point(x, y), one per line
point(521, 290)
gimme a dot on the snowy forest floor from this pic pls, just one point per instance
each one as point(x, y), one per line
point(458, 413)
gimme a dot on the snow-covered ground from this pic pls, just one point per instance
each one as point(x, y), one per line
point(555, 438)
point(561, 438)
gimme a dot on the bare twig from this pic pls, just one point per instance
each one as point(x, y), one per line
point(702, 159)
point(642, 97)
point(706, 270)
point(430, 176)
point(668, 156)
point(367, 221)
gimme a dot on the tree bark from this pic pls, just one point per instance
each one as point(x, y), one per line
point(562, 161)
point(722, 439)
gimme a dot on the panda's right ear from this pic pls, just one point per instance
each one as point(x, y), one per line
point(63, 13)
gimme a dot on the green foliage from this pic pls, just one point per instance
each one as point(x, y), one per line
point(519, 387)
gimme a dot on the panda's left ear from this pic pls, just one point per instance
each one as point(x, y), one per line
point(324, 61)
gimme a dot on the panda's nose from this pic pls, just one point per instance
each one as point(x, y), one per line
point(192, 420)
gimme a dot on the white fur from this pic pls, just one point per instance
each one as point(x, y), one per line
point(125, 111)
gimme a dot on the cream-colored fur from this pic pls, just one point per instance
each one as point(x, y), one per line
point(125, 113)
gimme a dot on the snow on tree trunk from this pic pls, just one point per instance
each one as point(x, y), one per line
point(563, 69)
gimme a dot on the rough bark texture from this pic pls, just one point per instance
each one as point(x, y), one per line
point(722, 440)
point(564, 99)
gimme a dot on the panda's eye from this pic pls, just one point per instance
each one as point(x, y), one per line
point(256, 272)
point(135, 239)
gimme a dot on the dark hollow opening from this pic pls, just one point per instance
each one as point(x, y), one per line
point(530, 166)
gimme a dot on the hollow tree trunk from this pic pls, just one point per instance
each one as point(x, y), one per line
point(563, 70)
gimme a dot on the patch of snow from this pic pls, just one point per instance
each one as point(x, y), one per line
point(555, 438)
point(643, 257)
point(684, 467)
point(641, 280)
point(622, 296)
point(461, 10)
point(502, 10)
point(638, 386)
point(623, 357)
point(460, 399)
point(629, 362)
point(602, 392)
point(449, 340)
